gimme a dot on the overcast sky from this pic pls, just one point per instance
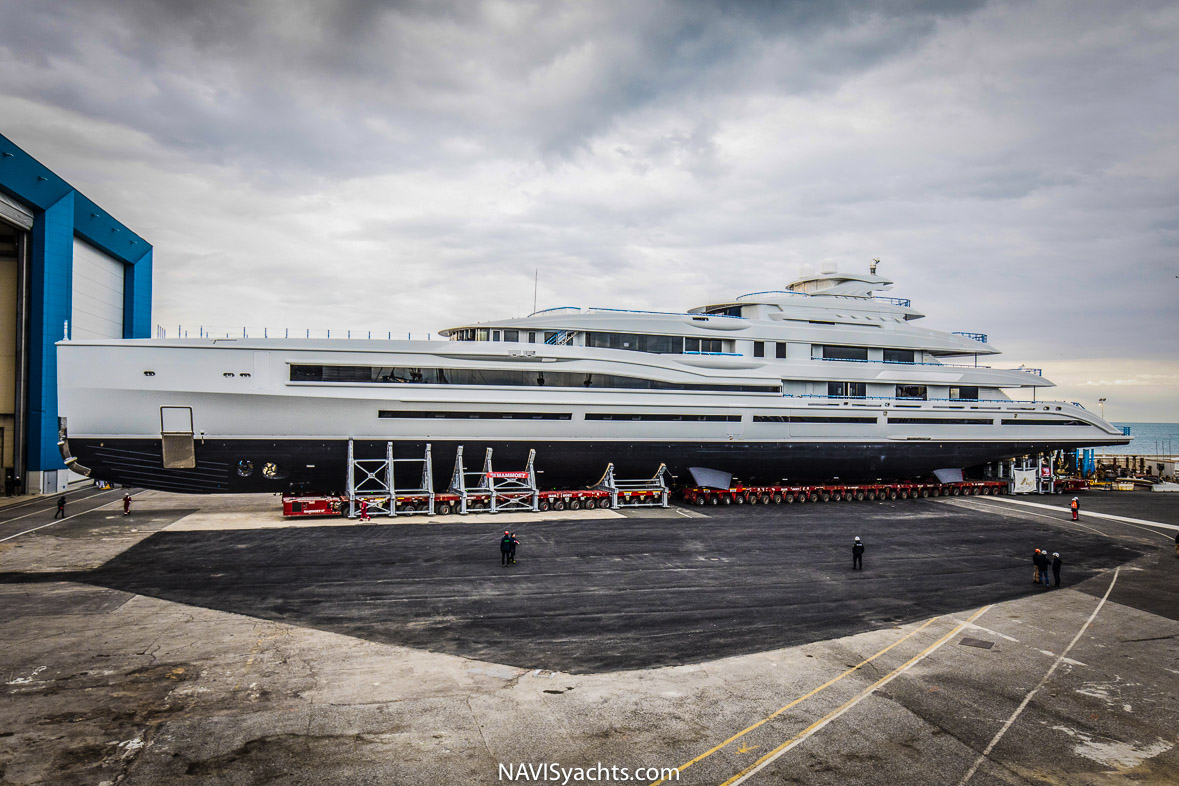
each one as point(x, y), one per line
point(407, 166)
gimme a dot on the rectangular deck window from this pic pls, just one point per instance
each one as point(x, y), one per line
point(455, 415)
point(899, 356)
point(663, 418)
point(844, 353)
point(911, 391)
point(759, 349)
point(964, 393)
point(780, 351)
point(810, 419)
point(847, 389)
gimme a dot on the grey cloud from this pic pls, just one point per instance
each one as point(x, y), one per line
point(353, 87)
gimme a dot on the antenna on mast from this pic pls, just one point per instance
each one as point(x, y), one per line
point(535, 279)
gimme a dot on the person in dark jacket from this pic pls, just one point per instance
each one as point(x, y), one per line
point(857, 554)
point(505, 549)
point(1045, 562)
point(1036, 567)
point(1056, 563)
point(512, 550)
point(60, 514)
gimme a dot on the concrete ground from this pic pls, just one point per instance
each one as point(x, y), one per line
point(201, 640)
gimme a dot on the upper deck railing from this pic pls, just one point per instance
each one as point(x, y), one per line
point(247, 331)
point(979, 337)
point(600, 309)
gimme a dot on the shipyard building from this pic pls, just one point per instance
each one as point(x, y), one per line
point(67, 268)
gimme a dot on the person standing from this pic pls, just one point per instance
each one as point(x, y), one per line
point(512, 551)
point(1075, 506)
point(857, 554)
point(1045, 562)
point(126, 504)
point(364, 510)
point(505, 549)
point(60, 508)
point(1056, 563)
point(1036, 567)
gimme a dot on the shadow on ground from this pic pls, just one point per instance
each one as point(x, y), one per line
point(612, 594)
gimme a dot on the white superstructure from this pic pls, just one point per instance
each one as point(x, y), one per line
point(823, 379)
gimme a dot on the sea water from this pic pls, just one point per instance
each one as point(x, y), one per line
point(1150, 439)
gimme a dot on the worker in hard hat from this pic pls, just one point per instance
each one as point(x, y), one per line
point(1056, 563)
point(1075, 506)
point(857, 554)
point(1036, 567)
point(505, 549)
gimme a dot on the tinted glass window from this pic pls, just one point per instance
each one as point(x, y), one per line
point(845, 353)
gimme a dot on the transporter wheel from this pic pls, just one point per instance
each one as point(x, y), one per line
point(924, 493)
point(575, 504)
point(836, 496)
point(824, 496)
point(764, 498)
point(777, 498)
point(740, 499)
point(558, 504)
point(699, 499)
point(726, 500)
point(752, 499)
point(542, 505)
point(713, 499)
point(591, 503)
point(892, 493)
point(803, 496)
point(859, 496)
point(1002, 489)
point(443, 509)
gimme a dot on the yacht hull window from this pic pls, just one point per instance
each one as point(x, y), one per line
point(637, 342)
point(912, 391)
point(847, 389)
point(964, 393)
point(899, 356)
point(844, 353)
point(501, 377)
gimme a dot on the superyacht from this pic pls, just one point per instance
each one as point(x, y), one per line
point(826, 379)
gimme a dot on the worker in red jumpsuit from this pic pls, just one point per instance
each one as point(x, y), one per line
point(126, 504)
point(1075, 505)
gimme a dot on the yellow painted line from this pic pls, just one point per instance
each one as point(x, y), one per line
point(800, 699)
point(809, 730)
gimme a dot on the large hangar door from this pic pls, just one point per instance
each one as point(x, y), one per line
point(15, 222)
point(97, 310)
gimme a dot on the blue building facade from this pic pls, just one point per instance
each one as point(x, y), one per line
point(47, 226)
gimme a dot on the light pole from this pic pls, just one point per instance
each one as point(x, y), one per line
point(1101, 402)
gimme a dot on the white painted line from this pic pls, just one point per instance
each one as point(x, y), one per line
point(980, 505)
point(1026, 699)
point(67, 518)
point(1086, 513)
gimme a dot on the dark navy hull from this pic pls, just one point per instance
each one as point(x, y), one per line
point(320, 466)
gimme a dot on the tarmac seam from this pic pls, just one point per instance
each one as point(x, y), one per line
point(1043, 680)
point(770, 757)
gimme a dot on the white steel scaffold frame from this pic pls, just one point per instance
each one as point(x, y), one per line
point(639, 493)
point(374, 480)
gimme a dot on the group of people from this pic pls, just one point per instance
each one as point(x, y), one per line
point(507, 549)
point(1042, 562)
